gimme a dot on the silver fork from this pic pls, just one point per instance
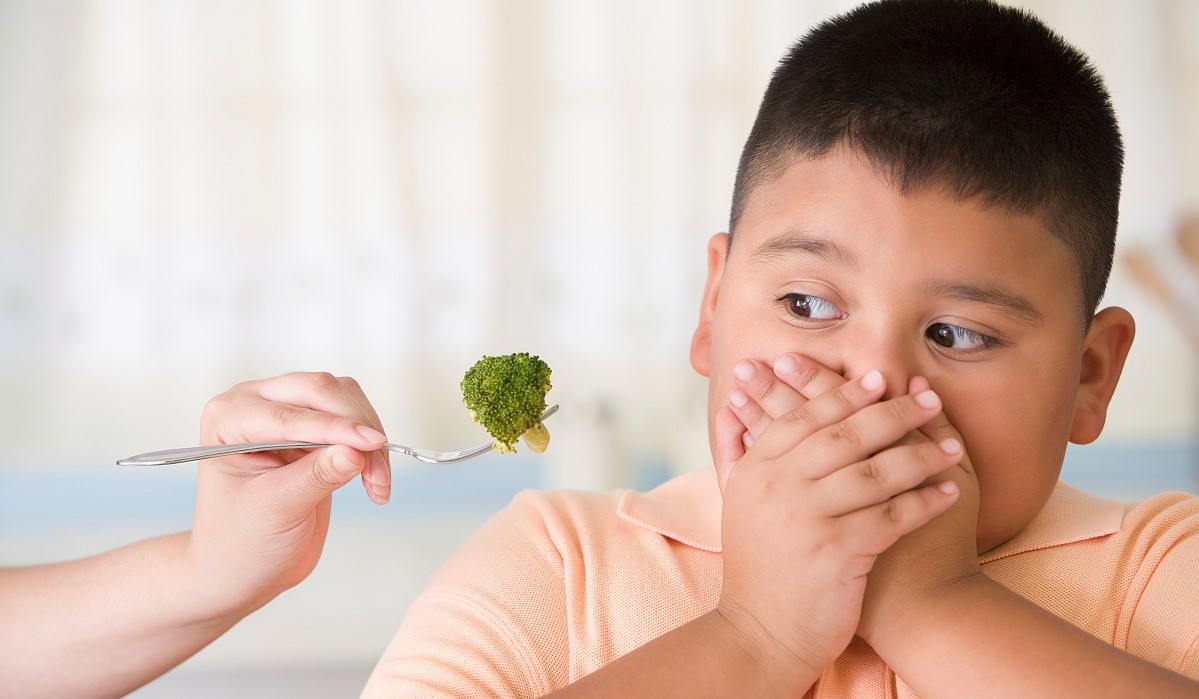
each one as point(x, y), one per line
point(185, 454)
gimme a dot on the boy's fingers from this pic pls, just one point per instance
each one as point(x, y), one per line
point(748, 411)
point(807, 376)
point(866, 430)
point(827, 411)
point(939, 427)
point(764, 392)
point(730, 448)
point(883, 524)
point(885, 475)
point(770, 397)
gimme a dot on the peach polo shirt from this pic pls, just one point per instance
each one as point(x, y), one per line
point(561, 583)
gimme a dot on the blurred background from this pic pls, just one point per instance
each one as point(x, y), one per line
point(198, 192)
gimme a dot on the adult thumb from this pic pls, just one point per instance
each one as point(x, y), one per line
point(322, 471)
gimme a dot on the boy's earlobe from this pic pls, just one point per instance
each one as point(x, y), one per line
point(1106, 347)
point(701, 339)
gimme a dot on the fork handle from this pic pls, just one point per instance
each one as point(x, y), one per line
point(185, 454)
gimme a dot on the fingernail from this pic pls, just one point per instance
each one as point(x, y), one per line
point(786, 365)
point(378, 470)
point(747, 440)
point(744, 370)
point(872, 380)
point(927, 399)
point(370, 434)
point(950, 445)
point(738, 398)
point(947, 487)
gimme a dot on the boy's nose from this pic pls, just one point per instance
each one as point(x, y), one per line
point(889, 358)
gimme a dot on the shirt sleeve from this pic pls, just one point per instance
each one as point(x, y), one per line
point(493, 621)
point(1163, 623)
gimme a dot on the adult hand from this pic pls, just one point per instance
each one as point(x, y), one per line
point(261, 519)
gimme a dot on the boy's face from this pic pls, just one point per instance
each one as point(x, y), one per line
point(832, 262)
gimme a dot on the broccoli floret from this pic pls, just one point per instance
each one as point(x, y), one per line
point(506, 395)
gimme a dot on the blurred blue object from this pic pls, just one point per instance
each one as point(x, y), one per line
point(1133, 471)
point(56, 499)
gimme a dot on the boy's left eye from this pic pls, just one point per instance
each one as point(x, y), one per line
point(956, 337)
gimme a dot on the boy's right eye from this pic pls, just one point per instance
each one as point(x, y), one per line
point(810, 307)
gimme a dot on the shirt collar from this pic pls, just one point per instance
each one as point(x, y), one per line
point(687, 509)
point(1070, 515)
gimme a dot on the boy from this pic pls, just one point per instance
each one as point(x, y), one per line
point(900, 334)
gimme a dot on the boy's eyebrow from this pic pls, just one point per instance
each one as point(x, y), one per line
point(1011, 304)
point(793, 242)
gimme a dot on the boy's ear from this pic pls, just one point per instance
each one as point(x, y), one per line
point(1105, 349)
point(701, 340)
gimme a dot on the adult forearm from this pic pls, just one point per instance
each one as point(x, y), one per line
point(709, 656)
point(106, 625)
point(982, 640)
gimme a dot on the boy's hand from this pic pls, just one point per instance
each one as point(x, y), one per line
point(821, 491)
point(261, 519)
point(942, 552)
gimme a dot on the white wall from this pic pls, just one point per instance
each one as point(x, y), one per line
point(193, 193)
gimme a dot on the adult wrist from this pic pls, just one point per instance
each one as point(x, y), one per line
point(217, 594)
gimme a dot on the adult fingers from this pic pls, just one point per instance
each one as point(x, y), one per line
point(237, 416)
point(376, 477)
point(303, 484)
point(303, 406)
point(318, 391)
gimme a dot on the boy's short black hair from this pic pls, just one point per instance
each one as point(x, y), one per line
point(968, 94)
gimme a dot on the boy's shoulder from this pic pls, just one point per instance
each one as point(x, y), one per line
point(1069, 516)
point(1162, 520)
point(685, 509)
point(1073, 516)
point(1122, 571)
